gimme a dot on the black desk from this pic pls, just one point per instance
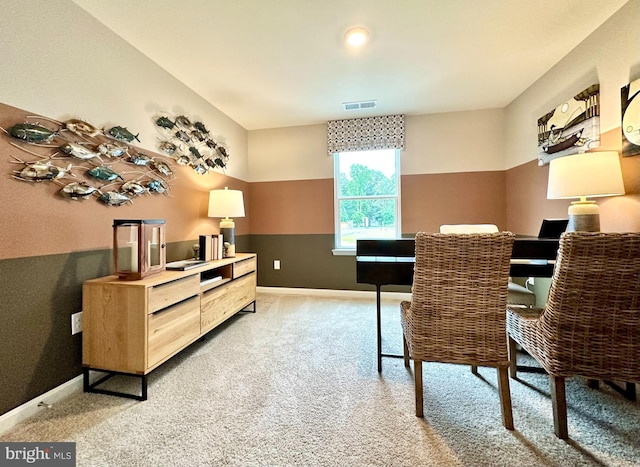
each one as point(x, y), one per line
point(391, 262)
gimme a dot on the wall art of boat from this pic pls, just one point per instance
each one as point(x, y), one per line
point(571, 127)
point(564, 142)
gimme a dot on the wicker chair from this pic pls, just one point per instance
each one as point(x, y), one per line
point(516, 293)
point(590, 325)
point(457, 308)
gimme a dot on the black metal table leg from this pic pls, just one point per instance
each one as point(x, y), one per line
point(93, 387)
point(379, 331)
point(378, 311)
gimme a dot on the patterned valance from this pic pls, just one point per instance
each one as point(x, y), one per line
point(365, 134)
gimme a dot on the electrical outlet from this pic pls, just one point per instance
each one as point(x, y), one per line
point(76, 323)
point(276, 264)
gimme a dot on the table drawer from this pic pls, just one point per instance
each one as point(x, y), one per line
point(243, 267)
point(173, 328)
point(164, 295)
point(223, 302)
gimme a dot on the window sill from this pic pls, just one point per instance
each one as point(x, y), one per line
point(343, 252)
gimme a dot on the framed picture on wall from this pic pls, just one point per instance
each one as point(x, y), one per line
point(630, 126)
point(572, 127)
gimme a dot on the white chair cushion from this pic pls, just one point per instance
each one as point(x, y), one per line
point(468, 228)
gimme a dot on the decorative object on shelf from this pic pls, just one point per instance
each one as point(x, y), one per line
point(102, 163)
point(572, 127)
point(593, 174)
point(211, 247)
point(190, 143)
point(138, 247)
point(630, 101)
point(196, 250)
point(226, 203)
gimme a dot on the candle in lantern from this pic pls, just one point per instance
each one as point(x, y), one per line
point(134, 256)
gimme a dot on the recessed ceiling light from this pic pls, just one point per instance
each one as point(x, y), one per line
point(356, 37)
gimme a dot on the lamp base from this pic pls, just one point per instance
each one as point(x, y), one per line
point(584, 216)
point(227, 229)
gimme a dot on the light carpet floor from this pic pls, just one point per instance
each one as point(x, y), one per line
point(295, 384)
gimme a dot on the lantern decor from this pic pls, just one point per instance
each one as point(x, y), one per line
point(138, 248)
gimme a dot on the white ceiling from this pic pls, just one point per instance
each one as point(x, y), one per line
point(277, 63)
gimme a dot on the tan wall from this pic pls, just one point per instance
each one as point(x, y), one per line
point(454, 142)
point(445, 178)
point(455, 198)
point(35, 220)
point(471, 141)
point(306, 206)
point(527, 203)
point(292, 207)
point(294, 153)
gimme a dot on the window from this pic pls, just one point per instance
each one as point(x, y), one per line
point(367, 196)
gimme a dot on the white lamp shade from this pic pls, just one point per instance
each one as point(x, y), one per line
point(226, 203)
point(585, 175)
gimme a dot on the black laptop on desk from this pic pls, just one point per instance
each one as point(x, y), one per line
point(553, 228)
point(535, 257)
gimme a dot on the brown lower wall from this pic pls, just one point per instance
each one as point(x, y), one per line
point(37, 298)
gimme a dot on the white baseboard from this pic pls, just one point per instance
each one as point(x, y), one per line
point(394, 296)
point(29, 409)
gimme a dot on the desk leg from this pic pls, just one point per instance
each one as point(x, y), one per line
point(379, 331)
point(378, 328)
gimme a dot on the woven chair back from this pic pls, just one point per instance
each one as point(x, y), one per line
point(591, 323)
point(459, 298)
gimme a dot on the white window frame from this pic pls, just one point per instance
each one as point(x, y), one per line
point(348, 250)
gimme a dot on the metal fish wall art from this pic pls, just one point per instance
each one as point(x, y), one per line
point(92, 163)
point(190, 143)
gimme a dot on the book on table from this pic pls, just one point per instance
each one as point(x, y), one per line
point(185, 264)
point(211, 280)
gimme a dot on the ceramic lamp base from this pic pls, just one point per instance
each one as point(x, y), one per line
point(584, 216)
point(227, 229)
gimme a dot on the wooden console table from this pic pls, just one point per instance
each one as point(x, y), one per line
point(132, 327)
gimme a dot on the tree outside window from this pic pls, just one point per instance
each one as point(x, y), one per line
point(367, 196)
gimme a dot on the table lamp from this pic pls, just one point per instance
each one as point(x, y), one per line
point(591, 174)
point(225, 204)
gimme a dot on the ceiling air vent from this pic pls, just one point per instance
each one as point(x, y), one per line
point(359, 105)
